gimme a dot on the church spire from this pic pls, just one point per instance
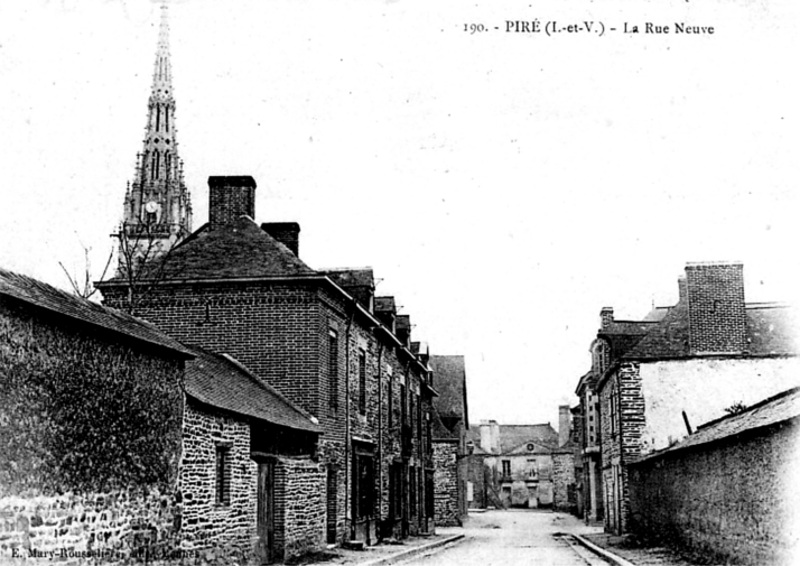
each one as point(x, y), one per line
point(158, 211)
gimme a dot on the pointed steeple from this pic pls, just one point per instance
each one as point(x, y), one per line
point(158, 211)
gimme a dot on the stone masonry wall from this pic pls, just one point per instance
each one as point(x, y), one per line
point(733, 499)
point(115, 526)
point(299, 507)
point(81, 410)
point(622, 441)
point(563, 481)
point(207, 523)
point(445, 480)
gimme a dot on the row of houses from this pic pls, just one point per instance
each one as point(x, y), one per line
point(269, 407)
point(711, 359)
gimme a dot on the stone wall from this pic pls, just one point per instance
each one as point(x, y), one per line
point(299, 507)
point(445, 479)
point(77, 412)
point(564, 481)
point(733, 500)
point(95, 527)
point(621, 440)
point(206, 522)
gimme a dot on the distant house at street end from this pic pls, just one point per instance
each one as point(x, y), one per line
point(525, 466)
point(121, 443)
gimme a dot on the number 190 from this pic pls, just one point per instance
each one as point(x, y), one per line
point(474, 28)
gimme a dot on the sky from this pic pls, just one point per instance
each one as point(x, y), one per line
point(503, 186)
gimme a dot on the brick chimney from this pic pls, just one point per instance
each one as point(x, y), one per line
point(563, 424)
point(229, 198)
point(606, 317)
point(715, 293)
point(287, 233)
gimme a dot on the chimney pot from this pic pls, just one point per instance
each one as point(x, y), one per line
point(287, 233)
point(229, 198)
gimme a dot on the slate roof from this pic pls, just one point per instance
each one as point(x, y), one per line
point(770, 330)
point(44, 296)
point(238, 250)
point(513, 436)
point(777, 409)
point(222, 382)
point(351, 277)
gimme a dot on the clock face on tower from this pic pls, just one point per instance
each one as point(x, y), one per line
point(151, 207)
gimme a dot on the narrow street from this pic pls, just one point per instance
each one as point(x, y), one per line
point(508, 538)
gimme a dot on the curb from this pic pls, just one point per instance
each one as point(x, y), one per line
point(411, 552)
point(602, 552)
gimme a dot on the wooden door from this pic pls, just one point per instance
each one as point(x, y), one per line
point(266, 511)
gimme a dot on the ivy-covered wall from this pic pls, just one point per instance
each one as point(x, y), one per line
point(83, 410)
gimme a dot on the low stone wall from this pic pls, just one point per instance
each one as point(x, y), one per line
point(299, 507)
point(100, 527)
point(733, 499)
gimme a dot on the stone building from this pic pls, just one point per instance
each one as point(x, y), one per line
point(614, 338)
point(521, 465)
point(323, 341)
point(157, 212)
point(726, 490)
point(119, 442)
point(449, 432)
point(710, 351)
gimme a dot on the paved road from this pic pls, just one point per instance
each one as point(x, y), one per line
point(508, 538)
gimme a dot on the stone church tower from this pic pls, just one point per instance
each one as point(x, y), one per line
point(158, 211)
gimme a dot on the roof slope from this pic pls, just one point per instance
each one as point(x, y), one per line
point(54, 300)
point(770, 330)
point(237, 250)
point(774, 410)
point(513, 436)
point(222, 382)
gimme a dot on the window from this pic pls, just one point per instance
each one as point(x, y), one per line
point(362, 382)
point(506, 468)
point(223, 475)
point(412, 412)
point(532, 469)
point(391, 400)
point(403, 405)
point(333, 371)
